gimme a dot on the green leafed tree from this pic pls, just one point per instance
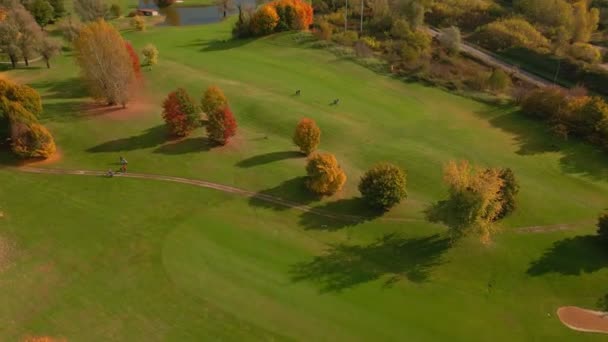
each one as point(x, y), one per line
point(42, 11)
point(383, 186)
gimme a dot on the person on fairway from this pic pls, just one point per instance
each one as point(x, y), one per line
point(123, 164)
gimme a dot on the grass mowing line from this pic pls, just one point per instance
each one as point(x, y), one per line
point(278, 200)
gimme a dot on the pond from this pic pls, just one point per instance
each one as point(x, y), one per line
point(191, 15)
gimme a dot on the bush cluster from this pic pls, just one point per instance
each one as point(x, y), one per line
point(582, 116)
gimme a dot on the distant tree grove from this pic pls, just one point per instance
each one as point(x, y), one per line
point(279, 15)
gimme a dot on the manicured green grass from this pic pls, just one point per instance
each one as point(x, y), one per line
point(119, 259)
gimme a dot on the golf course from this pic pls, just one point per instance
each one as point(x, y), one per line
point(226, 243)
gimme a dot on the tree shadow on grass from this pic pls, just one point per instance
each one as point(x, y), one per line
point(338, 215)
point(533, 137)
point(268, 158)
point(572, 256)
point(450, 213)
point(189, 145)
point(63, 89)
point(151, 137)
point(292, 192)
point(218, 44)
point(391, 258)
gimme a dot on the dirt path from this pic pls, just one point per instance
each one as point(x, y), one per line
point(219, 187)
point(276, 200)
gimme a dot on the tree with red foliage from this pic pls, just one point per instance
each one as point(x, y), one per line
point(134, 59)
point(221, 125)
point(180, 113)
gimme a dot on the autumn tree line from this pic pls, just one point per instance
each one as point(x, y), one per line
point(275, 16)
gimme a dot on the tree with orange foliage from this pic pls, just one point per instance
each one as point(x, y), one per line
point(325, 176)
point(264, 20)
point(105, 63)
point(221, 125)
point(180, 113)
point(307, 135)
point(134, 59)
point(293, 14)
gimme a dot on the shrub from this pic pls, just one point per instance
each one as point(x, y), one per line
point(347, 38)
point(138, 23)
point(115, 10)
point(31, 140)
point(221, 125)
point(499, 81)
point(543, 102)
point(401, 29)
point(336, 18)
point(180, 113)
point(213, 100)
point(413, 45)
point(150, 53)
point(383, 186)
point(325, 176)
point(324, 31)
point(371, 42)
point(585, 52)
point(508, 33)
point(582, 115)
point(264, 20)
point(602, 226)
point(307, 136)
point(23, 94)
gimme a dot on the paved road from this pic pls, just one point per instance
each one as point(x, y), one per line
point(490, 59)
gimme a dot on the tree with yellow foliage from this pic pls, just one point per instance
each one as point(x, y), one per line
point(105, 63)
point(478, 197)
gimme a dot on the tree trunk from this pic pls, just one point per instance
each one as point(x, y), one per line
point(27, 62)
point(48, 65)
point(224, 13)
point(13, 61)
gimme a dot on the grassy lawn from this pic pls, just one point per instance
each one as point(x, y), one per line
point(103, 259)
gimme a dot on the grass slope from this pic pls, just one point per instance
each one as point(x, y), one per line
point(127, 259)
